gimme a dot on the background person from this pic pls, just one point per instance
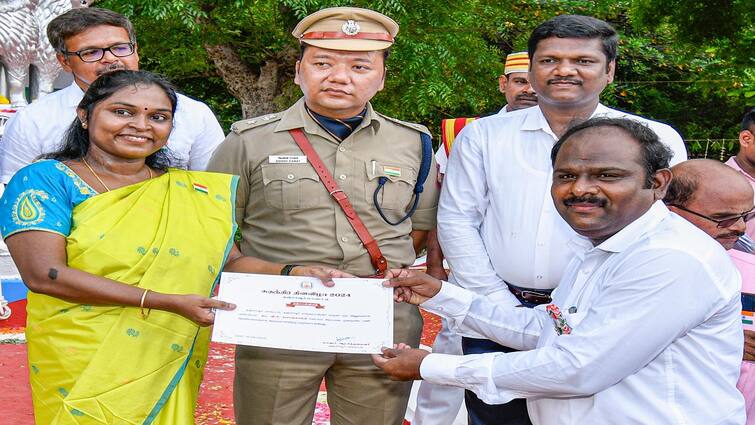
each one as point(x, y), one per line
point(719, 201)
point(91, 42)
point(107, 240)
point(744, 160)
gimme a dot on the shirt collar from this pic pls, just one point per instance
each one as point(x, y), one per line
point(535, 120)
point(297, 117)
point(733, 164)
point(73, 94)
point(629, 234)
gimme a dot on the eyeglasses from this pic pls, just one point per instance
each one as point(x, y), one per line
point(93, 55)
point(722, 224)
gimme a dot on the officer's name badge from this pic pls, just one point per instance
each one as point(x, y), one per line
point(392, 171)
point(287, 159)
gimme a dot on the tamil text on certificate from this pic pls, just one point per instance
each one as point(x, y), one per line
point(300, 313)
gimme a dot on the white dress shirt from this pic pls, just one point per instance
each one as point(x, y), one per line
point(496, 218)
point(656, 334)
point(40, 127)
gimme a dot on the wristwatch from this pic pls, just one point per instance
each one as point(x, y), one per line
point(286, 270)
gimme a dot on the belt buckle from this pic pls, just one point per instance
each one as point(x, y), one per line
point(535, 297)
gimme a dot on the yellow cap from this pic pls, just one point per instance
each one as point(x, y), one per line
point(347, 28)
point(516, 62)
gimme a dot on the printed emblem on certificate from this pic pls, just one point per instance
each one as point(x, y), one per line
point(300, 313)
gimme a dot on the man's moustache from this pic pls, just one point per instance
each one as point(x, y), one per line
point(110, 68)
point(585, 200)
point(564, 80)
point(526, 97)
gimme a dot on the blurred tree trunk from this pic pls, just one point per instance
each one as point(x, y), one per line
point(255, 89)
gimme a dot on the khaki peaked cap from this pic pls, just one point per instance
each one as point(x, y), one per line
point(347, 28)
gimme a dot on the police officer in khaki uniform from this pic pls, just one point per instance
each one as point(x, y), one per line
point(287, 215)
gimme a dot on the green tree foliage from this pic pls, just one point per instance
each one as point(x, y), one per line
point(685, 63)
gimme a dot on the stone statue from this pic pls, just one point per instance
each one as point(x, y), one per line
point(25, 50)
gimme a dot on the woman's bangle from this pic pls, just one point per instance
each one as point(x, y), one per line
point(141, 305)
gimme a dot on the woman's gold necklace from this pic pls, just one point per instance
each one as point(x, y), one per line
point(107, 189)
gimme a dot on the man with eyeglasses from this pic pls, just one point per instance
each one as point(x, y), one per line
point(90, 42)
point(719, 201)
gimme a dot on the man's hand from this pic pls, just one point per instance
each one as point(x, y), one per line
point(411, 286)
point(324, 273)
point(401, 363)
point(749, 345)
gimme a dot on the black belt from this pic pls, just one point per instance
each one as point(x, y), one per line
point(533, 296)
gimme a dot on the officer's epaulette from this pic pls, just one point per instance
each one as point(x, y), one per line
point(414, 126)
point(241, 126)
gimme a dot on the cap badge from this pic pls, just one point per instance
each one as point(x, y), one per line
point(350, 27)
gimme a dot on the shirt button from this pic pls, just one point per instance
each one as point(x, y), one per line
point(540, 244)
point(539, 276)
point(341, 149)
point(344, 239)
point(342, 177)
point(290, 176)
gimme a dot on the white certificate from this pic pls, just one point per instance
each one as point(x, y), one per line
point(300, 313)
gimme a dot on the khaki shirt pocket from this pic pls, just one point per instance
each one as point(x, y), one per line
point(291, 186)
point(398, 189)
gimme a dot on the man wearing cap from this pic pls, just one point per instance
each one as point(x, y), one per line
point(514, 84)
point(499, 229)
point(285, 212)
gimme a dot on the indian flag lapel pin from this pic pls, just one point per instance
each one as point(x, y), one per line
point(200, 188)
point(392, 171)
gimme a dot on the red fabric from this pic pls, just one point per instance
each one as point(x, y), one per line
point(330, 35)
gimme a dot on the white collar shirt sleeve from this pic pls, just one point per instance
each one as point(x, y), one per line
point(37, 129)
point(196, 134)
point(656, 335)
point(665, 132)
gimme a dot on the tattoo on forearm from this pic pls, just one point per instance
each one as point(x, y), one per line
point(52, 274)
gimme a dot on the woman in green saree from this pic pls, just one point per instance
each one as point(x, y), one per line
point(121, 254)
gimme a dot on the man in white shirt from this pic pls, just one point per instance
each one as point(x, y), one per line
point(498, 227)
point(439, 405)
point(644, 327)
point(89, 42)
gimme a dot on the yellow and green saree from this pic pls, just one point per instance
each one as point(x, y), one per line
point(106, 364)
